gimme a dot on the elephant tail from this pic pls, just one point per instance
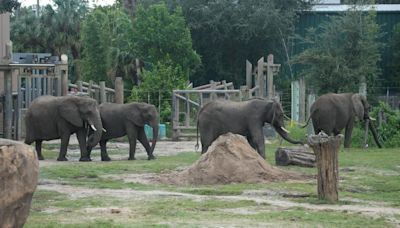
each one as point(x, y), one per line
point(196, 147)
point(308, 121)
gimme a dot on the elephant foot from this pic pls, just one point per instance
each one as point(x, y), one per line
point(85, 159)
point(105, 158)
point(62, 159)
point(151, 157)
point(131, 158)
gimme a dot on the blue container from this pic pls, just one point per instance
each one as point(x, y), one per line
point(162, 133)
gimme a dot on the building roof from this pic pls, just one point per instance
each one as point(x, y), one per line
point(339, 8)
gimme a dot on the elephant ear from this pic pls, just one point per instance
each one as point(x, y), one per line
point(137, 114)
point(69, 111)
point(358, 105)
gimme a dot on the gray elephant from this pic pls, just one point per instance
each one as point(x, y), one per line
point(246, 118)
point(331, 113)
point(51, 117)
point(128, 119)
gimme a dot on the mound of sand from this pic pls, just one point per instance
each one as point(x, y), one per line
point(230, 159)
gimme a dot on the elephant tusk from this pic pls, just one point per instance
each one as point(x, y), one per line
point(284, 129)
point(104, 130)
point(93, 128)
point(373, 119)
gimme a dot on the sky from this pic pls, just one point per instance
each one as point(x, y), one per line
point(45, 2)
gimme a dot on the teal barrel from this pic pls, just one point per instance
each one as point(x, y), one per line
point(161, 131)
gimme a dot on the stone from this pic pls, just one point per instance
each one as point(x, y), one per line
point(19, 172)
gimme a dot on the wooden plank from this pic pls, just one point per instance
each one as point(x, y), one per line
point(249, 80)
point(103, 98)
point(119, 90)
point(260, 77)
point(187, 100)
point(8, 105)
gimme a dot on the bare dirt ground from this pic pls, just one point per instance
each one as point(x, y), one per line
point(168, 148)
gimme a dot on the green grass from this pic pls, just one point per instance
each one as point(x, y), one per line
point(369, 175)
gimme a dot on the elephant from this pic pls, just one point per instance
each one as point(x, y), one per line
point(128, 119)
point(51, 117)
point(246, 118)
point(331, 113)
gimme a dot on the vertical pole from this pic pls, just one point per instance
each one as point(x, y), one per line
point(295, 100)
point(159, 102)
point(8, 104)
point(64, 82)
point(103, 97)
point(213, 85)
point(80, 86)
point(90, 87)
point(244, 93)
point(270, 76)
point(302, 100)
point(187, 117)
point(249, 67)
point(363, 86)
point(260, 76)
point(175, 117)
point(119, 90)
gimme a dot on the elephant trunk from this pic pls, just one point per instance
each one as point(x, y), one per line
point(97, 128)
point(286, 137)
point(373, 130)
point(155, 136)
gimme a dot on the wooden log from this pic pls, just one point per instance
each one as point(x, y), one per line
point(301, 156)
point(326, 151)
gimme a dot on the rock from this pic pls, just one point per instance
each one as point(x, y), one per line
point(230, 159)
point(19, 171)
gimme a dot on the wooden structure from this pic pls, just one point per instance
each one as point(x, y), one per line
point(186, 103)
point(301, 156)
point(326, 150)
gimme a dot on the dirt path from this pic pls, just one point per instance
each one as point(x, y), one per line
point(257, 196)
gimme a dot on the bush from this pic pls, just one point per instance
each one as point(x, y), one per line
point(388, 130)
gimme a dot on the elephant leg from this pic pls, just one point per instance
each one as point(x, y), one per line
point(81, 135)
point(103, 147)
point(145, 142)
point(257, 137)
point(206, 138)
point(64, 146)
point(132, 136)
point(38, 146)
point(347, 134)
point(252, 144)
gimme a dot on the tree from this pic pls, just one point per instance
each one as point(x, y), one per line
point(107, 36)
point(161, 36)
point(226, 33)
point(393, 78)
point(343, 52)
point(8, 5)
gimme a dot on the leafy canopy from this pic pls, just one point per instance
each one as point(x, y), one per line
point(344, 51)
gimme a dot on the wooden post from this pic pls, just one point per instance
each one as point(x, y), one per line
point(326, 151)
point(90, 87)
point(249, 81)
point(213, 85)
point(8, 104)
point(175, 117)
point(270, 77)
point(260, 77)
point(119, 90)
point(103, 97)
point(80, 86)
point(244, 93)
point(64, 82)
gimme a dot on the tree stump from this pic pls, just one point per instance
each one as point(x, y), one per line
point(300, 155)
point(326, 151)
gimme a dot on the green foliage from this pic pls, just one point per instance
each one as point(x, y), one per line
point(163, 36)
point(107, 38)
point(8, 5)
point(226, 33)
point(388, 130)
point(343, 52)
point(394, 76)
point(160, 81)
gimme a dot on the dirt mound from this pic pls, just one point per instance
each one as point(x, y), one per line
point(230, 159)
